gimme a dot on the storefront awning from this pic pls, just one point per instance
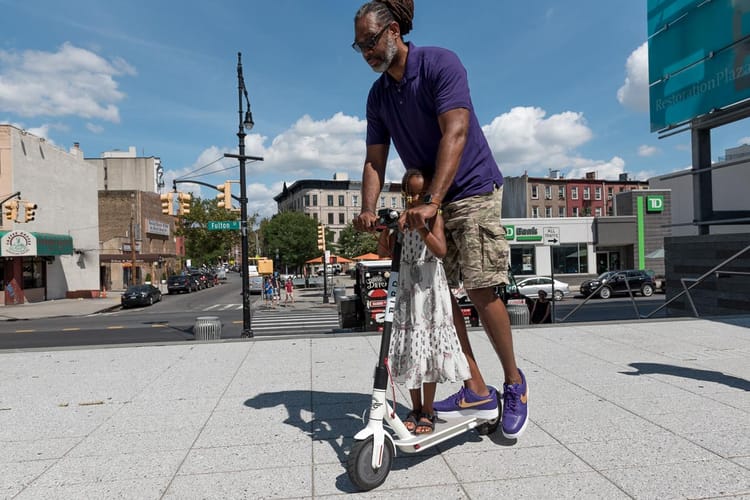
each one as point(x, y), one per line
point(30, 244)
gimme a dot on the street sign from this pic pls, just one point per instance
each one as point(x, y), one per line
point(223, 225)
point(551, 235)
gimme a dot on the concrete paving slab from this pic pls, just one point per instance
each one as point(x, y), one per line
point(615, 413)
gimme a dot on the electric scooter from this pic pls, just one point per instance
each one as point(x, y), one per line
point(374, 449)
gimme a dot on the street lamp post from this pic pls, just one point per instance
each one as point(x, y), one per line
point(246, 121)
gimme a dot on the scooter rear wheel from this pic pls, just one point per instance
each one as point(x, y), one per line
point(488, 427)
point(359, 464)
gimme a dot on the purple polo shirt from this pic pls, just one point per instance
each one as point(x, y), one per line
point(407, 112)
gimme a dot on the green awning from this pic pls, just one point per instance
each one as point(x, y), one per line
point(19, 243)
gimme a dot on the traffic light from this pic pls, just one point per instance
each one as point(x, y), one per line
point(321, 237)
point(166, 203)
point(29, 213)
point(10, 210)
point(184, 201)
point(225, 195)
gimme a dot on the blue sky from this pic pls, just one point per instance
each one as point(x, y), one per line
point(559, 85)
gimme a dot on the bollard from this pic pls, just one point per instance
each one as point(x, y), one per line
point(207, 328)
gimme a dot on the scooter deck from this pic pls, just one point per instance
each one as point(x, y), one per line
point(444, 430)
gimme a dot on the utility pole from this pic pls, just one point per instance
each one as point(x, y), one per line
point(132, 252)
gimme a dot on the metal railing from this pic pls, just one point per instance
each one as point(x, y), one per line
point(596, 292)
point(697, 281)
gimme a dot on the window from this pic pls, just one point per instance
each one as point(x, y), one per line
point(522, 260)
point(534, 192)
point(547, 192)
point(315, 217)
point(382, 202)
point(609, 193)
point(586, 193)
point(598, 211)
point(307, 200)
point(598, 193)
point(548, 211)
point(355, 200)
point(561, 211)
point(394, 202)
point(574, 193)
point(342, 219)
point(561, 192)
point(330, 219)
point(535, 212)
point(330, 200)
point(570, 259)
point(315, 200)
point(341, 200)
point(575, 211)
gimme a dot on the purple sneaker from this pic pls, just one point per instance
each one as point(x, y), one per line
point(465, 403)
point(515, 408)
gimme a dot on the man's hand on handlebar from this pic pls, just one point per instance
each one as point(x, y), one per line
point(367, 221)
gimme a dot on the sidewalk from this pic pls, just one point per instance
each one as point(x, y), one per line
point(634, 410)
point(59, 307)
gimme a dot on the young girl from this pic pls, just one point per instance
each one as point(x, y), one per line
point(424, 347)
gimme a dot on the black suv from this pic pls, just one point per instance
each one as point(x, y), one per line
point(177, 284)
point(618, 282)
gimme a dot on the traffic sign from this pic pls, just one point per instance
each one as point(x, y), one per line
point(551, 235)
point(223, 225)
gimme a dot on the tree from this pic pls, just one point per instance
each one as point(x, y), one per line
point(209, 247)
point(353, 243)
point(294, 235)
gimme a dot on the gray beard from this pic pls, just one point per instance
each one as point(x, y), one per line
point(390, 53)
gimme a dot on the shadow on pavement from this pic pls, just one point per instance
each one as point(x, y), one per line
point(694, 373)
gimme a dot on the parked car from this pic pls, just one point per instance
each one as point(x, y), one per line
point(179, 284)
point(140, 295)
point(531, 286)
point(618, 282)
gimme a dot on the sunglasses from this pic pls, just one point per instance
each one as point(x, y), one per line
point(371, 43)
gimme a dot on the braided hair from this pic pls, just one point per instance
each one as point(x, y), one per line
point(387, 11)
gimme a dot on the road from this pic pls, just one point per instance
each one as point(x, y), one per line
point(172, 319)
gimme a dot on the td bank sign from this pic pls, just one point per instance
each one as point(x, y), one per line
point(522, 233)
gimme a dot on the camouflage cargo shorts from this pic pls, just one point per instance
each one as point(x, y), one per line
point(478, 252)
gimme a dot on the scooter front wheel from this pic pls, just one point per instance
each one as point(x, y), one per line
point(359, 464)
point(488, 427)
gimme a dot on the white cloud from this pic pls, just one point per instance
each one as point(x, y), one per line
point(743, 141)
point(333, 145)
point(94, 128)
point(70, 82)
point(634, 92)
point(604, 169)
point(644, 150)
point(523, 139)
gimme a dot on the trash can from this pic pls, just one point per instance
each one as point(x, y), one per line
point(348, 317)
point(338, 293)
point(518, 313)
point(207, 328)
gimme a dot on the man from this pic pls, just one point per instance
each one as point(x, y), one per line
point(422, 103)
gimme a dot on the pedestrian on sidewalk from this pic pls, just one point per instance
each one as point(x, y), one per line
point(268, 293)
point(424, 348)
point(540, 309)
point(289, 290)
point(421, 103)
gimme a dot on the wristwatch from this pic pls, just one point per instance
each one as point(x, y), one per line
point(429, 199)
